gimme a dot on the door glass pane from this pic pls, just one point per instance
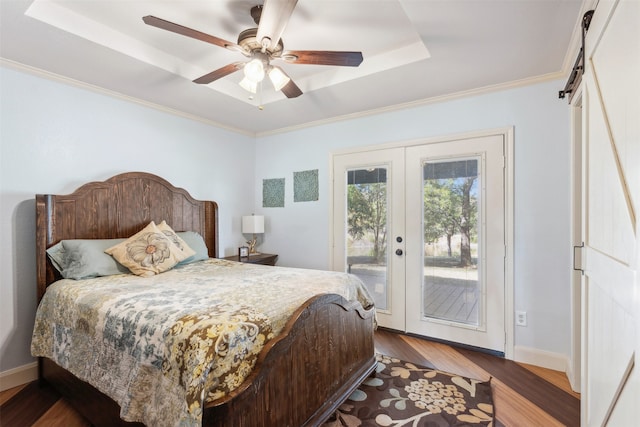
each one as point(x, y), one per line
point(450, 288)
point(367, 230)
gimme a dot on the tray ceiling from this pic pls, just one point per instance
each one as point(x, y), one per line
point(414, 51)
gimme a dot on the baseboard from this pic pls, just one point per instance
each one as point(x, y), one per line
point(18, 376)
point(545, 359)
point(575, 381)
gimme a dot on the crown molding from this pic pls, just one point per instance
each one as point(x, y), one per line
point(257, 135)
point(97, 89)
point(427, 101)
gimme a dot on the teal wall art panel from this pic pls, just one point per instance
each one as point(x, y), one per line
point(305, 186)
point(273, 193)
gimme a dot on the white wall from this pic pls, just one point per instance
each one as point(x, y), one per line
point(55, 137)
point(299, 233)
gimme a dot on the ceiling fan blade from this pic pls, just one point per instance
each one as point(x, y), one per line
point(323, 57)
point(219, 73)
point(291, 90)
point(274, 18)
point(189, 32)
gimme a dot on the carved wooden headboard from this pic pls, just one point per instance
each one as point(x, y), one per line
point(118, 208)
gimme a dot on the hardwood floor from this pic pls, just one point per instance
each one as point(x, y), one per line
point(523, 395)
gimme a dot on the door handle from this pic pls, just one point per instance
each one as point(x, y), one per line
point(398, 252)
point(580, 248)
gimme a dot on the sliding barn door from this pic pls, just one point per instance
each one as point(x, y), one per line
point(611, 205)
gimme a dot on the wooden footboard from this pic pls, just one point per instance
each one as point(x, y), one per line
point(324, 353)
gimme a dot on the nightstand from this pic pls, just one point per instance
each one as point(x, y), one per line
point(265, 259)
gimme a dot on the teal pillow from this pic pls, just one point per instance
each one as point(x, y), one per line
point(196, 242)
point(81, 259)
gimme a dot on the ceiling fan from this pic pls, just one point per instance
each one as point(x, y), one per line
point(262, 44)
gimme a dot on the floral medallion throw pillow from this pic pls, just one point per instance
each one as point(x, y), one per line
point(149, 252)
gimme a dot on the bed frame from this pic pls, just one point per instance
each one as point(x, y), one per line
point(325, 351)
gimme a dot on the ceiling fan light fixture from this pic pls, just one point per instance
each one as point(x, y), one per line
point(249, 85)
point(262, 45)
point(254, 70)
point(278, 78)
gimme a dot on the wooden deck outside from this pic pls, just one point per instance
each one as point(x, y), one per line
point(450, 293)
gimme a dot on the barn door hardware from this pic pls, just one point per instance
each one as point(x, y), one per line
point(578, 68)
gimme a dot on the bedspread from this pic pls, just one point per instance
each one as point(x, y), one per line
point(162, 346)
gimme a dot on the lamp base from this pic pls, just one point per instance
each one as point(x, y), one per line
point(252, 245)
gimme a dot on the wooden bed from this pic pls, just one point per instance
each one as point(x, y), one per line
point(325, 351)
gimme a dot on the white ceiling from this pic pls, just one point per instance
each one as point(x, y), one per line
point(414, 51)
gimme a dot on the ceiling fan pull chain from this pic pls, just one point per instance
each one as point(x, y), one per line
point(260, 106)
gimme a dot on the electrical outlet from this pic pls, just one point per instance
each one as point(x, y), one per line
point(521, 318)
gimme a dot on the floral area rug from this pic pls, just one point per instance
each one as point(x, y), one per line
point(404, 394)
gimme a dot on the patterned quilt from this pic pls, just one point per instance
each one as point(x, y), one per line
point(162, 346)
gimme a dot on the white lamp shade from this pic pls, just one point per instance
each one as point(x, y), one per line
point(278, 78)
point(253, 224)
point(254, 70)
point(249, 85)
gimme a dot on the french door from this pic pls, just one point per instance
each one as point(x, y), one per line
point(456, 279)
point(369, 215)
point(424, 227)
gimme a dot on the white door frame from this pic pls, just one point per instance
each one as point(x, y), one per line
point(507, 133)
point(577, 238)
